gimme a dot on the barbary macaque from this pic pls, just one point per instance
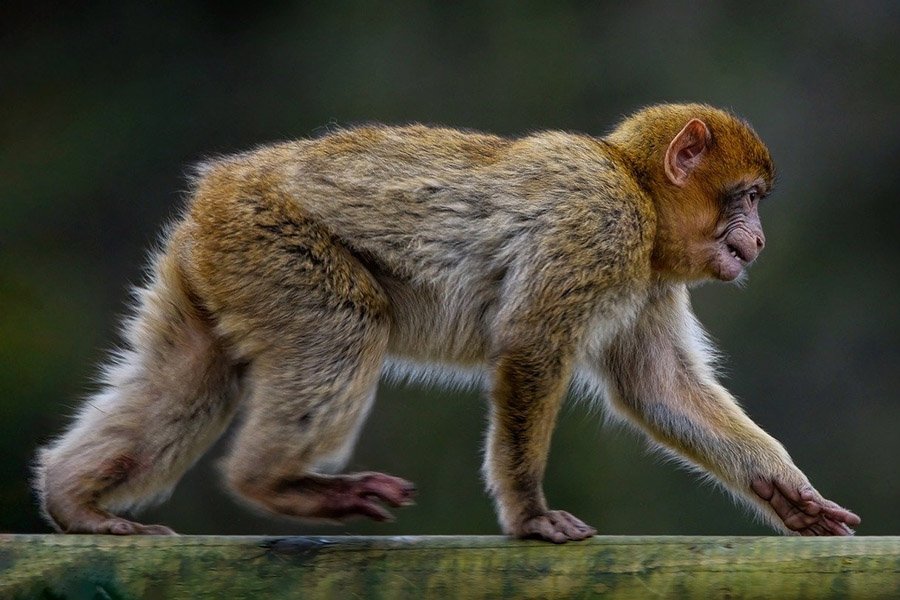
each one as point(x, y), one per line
point(300, 272)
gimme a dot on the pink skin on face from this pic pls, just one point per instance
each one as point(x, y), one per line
point(738, 249)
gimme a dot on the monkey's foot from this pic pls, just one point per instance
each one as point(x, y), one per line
point(555, 526)
point(359, 494)
point(105, 523)
point(804, 510)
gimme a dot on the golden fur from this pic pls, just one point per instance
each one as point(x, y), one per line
point(299, 270)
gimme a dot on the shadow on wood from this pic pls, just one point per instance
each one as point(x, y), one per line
point(56, 566)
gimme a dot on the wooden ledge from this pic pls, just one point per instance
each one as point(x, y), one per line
point(223, 567)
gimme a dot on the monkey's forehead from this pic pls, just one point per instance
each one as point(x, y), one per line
point(760, 172)
point(743, 152)
point(759, 160)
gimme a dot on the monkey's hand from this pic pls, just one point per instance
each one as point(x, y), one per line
point(803, 509)
point(555, 526)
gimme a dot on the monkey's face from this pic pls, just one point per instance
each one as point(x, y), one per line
point(738, 234)
point(708, 204)
point(710, 231)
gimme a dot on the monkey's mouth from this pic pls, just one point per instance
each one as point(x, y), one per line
point(736, 253)
point(729, 262)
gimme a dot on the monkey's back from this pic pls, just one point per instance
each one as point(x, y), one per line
point(442, 218)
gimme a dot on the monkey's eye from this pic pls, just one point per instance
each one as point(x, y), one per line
point(753, 196)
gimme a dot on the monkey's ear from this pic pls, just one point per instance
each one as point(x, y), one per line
point(685, 151)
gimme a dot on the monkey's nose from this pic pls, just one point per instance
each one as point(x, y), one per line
point(760, 243)
point(746, 245)
point(750, 253)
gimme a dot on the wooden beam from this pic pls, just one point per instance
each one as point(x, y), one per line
point(81, 566)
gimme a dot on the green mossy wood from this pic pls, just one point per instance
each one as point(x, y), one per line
point(55, 566)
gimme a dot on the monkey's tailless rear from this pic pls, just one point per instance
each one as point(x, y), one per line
point(165, 398)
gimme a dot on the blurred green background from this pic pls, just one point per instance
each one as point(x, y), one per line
point(103, 109)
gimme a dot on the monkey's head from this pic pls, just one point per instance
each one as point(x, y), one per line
point(707, 171)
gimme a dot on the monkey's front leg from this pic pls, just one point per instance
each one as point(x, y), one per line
point(703, 424)
point(528, 389)
point(659, 377)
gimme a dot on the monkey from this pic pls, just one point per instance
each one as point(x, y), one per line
point(301, 273)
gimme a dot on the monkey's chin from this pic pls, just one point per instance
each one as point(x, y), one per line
point(727, 267)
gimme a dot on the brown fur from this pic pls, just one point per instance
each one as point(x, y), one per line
point(300, 269)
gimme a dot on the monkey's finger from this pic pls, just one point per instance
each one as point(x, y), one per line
point(818, 529)
point(832, 509)
point(841, 514)
point(845, 516)
point(791, 515)
point(811, 502)
point(794, 516)
point(799, 520)
point(799, 496)
point(836, 527)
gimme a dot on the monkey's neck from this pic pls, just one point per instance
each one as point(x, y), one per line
point(675, 254)
point(676, 220)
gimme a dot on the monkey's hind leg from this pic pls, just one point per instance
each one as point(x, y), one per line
point(166, 397)
point(312, 380)
point(307, 404)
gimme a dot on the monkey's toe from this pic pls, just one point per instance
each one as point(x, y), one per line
point(387, 488)
point(348, 496)
point(126, 527)
point(555, 526)
point(117, 526)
